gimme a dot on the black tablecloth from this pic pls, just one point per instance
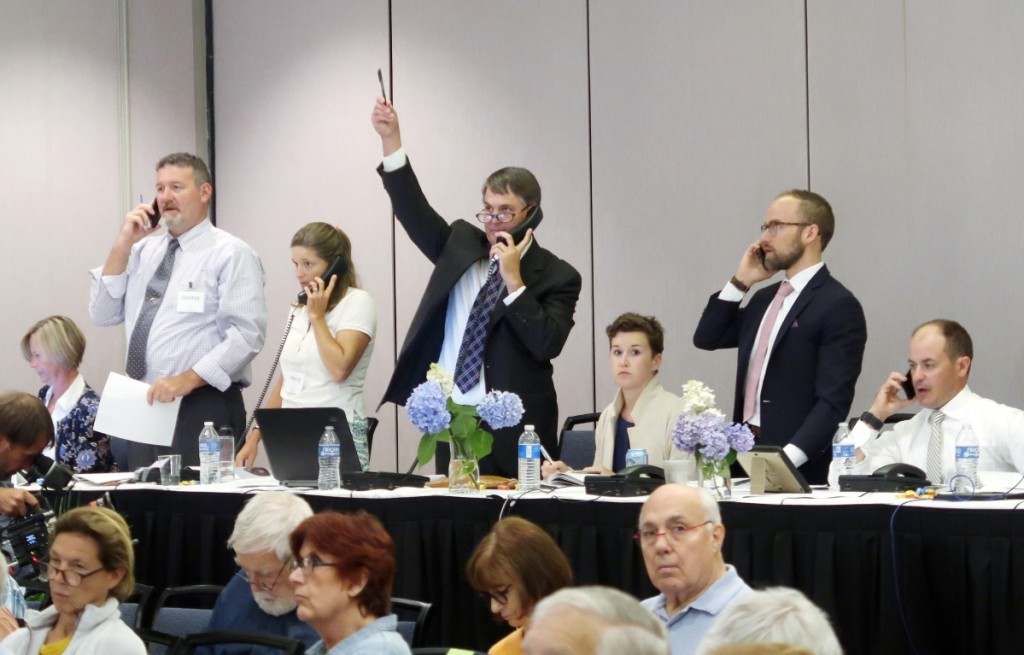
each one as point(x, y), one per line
point(956, 568)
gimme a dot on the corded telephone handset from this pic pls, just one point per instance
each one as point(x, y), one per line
point(338, 267)
point(637, 471)
point(533, 219)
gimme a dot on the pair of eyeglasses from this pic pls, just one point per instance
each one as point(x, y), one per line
point(674, 533)
point(774, 227)
point(500, 596)
point(72, 578)
point(308, 564)
point(502, 217)
point(257, 578)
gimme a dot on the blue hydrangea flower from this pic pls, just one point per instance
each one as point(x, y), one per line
point(740, 437)
point(704, 432)
point(428, 408)
point(501, 409)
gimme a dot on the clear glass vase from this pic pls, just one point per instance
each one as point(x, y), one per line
point(715, 476)
point(463, 470)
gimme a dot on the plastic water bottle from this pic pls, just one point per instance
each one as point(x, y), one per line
point(968, 450)
point(209, 455)
point(329, 454)
point(360, 426)
point(529, 460)
point(226, 437)
point(844, 453)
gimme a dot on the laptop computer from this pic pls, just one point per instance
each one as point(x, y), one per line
point(291, 437)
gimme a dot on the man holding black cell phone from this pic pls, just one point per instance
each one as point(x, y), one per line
point(191, 299)
point(497, 308)
point(941, 355)
point(800, 341)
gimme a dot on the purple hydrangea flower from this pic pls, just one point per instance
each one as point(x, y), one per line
point(428, 408)
point(501, 409)
point(704, 432)
point(740, 437)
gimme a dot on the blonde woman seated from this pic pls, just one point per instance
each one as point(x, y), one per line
point(643, 413)
point(89, 570)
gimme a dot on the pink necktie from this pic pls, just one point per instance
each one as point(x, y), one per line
point(754, 372)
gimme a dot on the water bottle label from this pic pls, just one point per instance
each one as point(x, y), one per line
point(968, 452)
point(210, 446)
point(840, 451)
point(330, 450)
point(529, 451)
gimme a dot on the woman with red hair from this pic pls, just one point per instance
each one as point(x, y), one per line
point(342, 573)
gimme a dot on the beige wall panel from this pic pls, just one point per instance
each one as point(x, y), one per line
point(59, 193)
point(481, 85)
point(917, 137)
point(698, 121)
point(295, 84)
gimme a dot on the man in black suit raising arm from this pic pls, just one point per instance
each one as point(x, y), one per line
point(532, 297)
point(801, 340)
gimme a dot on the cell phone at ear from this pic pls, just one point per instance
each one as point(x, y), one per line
point(336, 267)
point(908, 386)
point(533, 219)
point(154, 218)
point(760, 256)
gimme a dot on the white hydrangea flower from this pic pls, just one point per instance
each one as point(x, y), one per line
point(442, 377)
point(698, 398)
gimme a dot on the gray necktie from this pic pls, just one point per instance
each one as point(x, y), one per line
point(136, 366)
point(935, 448)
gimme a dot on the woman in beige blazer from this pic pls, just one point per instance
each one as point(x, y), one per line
point(643, 413)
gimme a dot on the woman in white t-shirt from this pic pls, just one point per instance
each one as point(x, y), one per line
point(327, 352)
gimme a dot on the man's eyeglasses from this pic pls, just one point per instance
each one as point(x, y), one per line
point(500, 596)
point(72, 578)
point(774, 227)
point(674, 533)
point(307, 564)
point(503, 216)
point(258, 577)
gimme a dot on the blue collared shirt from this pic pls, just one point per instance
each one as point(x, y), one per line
point(379, 638)
point(687, 628)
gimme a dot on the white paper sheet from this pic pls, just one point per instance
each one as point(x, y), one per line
point(124, 413)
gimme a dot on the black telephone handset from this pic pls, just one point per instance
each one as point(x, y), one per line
point(533, 219)
point(637, 471)
point(760, 257)
point(336, 267)
point(900, 471)
point(154, 218)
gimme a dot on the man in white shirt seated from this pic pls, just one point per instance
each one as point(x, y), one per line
point(940, 358)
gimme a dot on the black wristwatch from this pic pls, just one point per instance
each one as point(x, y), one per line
point(735, 281)
point(872, 420)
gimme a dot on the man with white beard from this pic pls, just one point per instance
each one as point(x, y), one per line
point(259, 597)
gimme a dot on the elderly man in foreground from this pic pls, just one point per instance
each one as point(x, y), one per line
point(259, 597)
point(681, 535)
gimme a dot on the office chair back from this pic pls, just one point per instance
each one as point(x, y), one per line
point(578, 445)
point(412, 619)
point(189, 644)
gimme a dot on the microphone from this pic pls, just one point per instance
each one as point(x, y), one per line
point(48, 473)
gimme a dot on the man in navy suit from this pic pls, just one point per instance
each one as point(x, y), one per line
point(801, 340)
point(532, 314)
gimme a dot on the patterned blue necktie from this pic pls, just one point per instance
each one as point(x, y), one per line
point(136, 365)
point(471, 352)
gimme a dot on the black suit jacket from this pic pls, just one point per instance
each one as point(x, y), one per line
point(813, 367)
point(522, 337)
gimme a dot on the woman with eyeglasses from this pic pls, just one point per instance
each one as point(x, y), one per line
point(516, 565)
point(342, 571)
point(89, 569)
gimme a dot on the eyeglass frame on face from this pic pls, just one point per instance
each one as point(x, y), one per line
point(308, 564)
point(486, 216)
point(260, 585)
point(676, 533)
point(499, 596)
point(774, 227)
point(49, 570)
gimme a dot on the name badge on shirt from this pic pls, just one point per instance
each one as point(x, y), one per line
point(191, 302)
point(293, 384)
